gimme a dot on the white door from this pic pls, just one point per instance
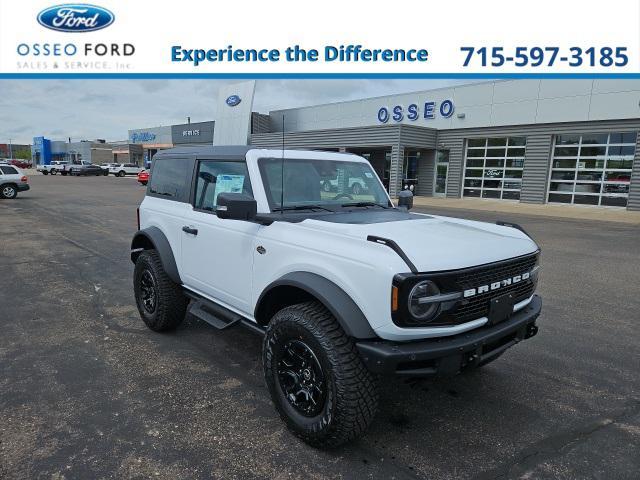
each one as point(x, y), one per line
point(217, 254)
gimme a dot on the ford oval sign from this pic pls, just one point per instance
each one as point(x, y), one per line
point(233, 100)
point(75, 17)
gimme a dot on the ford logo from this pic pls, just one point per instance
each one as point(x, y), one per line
point(233, 100)
point(75, 17)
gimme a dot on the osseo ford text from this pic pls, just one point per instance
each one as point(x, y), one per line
point(71, 49)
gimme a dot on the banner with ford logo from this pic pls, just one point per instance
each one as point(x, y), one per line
point(75, 17)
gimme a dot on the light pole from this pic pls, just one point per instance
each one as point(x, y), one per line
point(10, 150)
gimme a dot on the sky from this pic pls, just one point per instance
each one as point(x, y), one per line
point(90, 109)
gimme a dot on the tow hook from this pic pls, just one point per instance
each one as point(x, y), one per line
point(532, 330)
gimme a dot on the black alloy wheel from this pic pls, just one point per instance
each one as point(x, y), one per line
point(148, 291)
point(301, 378)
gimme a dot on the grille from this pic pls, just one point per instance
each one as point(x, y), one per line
point(478, 306)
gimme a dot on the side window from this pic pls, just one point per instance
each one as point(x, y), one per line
point(8, 170)
point(169, 179)
point(216, 177)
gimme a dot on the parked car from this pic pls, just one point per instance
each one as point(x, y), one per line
point(106, 167)
point(12, 181)
point(343, 290)
point(122, 169)
point(19, 163)
point(143, 177)
point(87, 170)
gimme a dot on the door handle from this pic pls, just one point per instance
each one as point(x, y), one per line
point(189, 230)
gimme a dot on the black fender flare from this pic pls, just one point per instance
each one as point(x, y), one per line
point(152, 237)
point(336, 300)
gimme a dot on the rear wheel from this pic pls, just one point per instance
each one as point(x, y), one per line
point(316, 378)
point(44, 172)
point(8, 191)
point(121, 173)
point(105, 173)
point(53, 171)
point(160, 301)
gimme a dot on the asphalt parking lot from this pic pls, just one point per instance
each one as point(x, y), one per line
point(87, 391)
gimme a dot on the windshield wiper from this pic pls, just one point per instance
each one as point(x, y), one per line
point(303, 207)
point(364, 204)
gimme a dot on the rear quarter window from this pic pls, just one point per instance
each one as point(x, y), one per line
point(8, 170)
point(170, 179)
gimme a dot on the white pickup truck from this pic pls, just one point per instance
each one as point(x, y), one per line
point(61, 166)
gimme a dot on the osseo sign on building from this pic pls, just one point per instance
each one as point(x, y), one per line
point(428, 111)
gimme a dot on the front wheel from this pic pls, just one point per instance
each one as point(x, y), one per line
point(44, 172)
point(121, 173)
point(53, 171)
point(160, 301)
point(316, 378)
point(105, 173)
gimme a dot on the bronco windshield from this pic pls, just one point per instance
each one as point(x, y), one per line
point(322, 184)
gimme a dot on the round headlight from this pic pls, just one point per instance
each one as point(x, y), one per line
point(419, 305)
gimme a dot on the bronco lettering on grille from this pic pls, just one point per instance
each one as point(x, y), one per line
point(496, 285)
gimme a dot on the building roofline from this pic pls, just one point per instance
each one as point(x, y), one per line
point(413, 92)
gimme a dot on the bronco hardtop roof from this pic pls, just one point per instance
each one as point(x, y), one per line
point(232, 152)
point(226, 151)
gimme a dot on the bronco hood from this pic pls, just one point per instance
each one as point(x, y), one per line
point(435, 243)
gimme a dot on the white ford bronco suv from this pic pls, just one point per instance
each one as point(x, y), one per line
point(345, 287)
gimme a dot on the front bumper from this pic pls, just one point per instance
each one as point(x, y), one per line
point(23, 187)
point(449, 355)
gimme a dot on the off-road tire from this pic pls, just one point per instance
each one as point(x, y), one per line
point(170, 303)
point(8, 191)
point(352, 391)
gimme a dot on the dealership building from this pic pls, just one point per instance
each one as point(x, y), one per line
point(44, 151)
point(534, 141)
point(153, 139)
point(530, 140)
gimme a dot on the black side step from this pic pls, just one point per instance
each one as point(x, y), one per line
point(213, 316)
point(218, 316)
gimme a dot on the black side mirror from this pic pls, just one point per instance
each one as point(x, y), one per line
point(405, 199)
point(236, 206)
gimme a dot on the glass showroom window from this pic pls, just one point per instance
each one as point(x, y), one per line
point(493, 167)
point(592, 168)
